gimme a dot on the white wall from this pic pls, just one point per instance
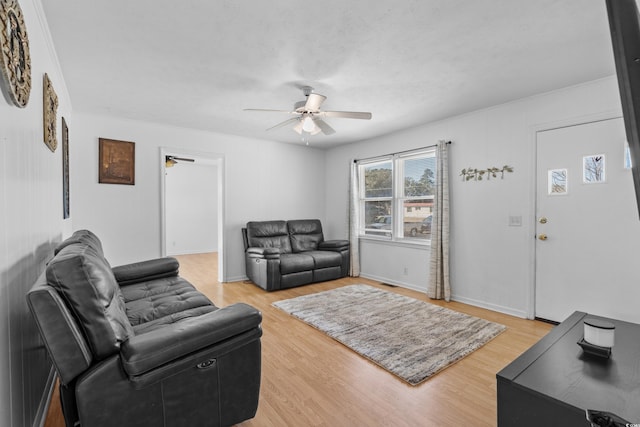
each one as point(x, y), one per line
point(491, 263)
point(264, 180)
point(191, 208)
point(30, 225)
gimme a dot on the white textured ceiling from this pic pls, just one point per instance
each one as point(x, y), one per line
point(198, 64)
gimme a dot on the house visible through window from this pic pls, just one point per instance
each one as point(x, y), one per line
point(396, 195)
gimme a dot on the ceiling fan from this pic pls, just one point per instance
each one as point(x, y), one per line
point(308, 116)
point(170, 161)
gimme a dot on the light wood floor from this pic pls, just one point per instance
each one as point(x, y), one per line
point(308, 379)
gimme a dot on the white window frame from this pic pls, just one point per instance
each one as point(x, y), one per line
point(362, 200)
point(397, 198)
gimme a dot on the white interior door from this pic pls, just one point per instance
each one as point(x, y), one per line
point(587, 224)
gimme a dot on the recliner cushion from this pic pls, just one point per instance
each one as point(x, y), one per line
point(269, 234)
point(305, 234)
point(295, 263)
point(324, 259)
point(163, 301)
point(88, 286)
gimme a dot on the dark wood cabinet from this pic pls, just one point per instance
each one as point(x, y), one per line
point(554, 382)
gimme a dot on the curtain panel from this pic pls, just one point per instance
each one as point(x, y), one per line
point(354, 217)
point(439, 285)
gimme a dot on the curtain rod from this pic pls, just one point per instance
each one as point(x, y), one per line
point(400, 152)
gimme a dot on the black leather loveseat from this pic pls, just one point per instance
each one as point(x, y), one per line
point(284, 254)
point(137, 345)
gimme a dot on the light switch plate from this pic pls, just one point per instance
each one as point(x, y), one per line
point(515, 220)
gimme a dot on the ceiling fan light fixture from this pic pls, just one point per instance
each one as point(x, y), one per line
point(308, 125)
point(169, 162)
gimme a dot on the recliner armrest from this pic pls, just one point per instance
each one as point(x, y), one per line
point(268, 253)
point(142, 353)
point(334, 245)
point(146, 270)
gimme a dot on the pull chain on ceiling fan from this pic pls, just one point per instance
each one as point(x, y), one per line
point(308, 116)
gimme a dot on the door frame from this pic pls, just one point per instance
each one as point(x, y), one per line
point(534, 130)
point(220, 194)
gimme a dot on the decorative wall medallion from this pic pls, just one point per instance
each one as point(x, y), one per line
point(16, 61)
point(50, 106)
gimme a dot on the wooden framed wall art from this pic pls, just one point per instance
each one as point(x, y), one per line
point(15, 60)
point(50, 111)
point(116, 163)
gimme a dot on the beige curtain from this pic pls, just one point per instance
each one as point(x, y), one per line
point(439, 286)
point(354, 218)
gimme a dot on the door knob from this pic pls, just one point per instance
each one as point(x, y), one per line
point(542, 220)
point(542, 236)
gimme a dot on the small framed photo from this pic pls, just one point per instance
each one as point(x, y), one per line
point(116, 163)
point(557, 182)
point(593, 169)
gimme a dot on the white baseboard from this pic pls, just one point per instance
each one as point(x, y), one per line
point(464, 300)
point(489, 306)
point(235, 279)
point(394, 282)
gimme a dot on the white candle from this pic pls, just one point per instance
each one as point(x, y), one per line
point(599, 332)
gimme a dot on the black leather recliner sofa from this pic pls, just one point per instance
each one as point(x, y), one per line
point(285, 254)
point(137, 345)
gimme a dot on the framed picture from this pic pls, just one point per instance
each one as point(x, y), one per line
point(116, 163)
point(593, 169)
point(557, 182)
point(65, 170)
point(50, 110)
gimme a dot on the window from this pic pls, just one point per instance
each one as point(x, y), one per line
point(396, 196)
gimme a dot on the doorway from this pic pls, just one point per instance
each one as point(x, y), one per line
point(587, 224)
point(192, 204)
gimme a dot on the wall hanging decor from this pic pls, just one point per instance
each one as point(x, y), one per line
point(50, 110)
point(593, 169)
point(116, 164)
point(16, 61)
point(557, 182)
point(479, 174)
point(65, 170)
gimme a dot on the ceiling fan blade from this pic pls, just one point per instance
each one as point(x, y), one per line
point(324, 126)
point(184, 159)
point(298, 127)
point(314, 101)
point(285, 123)
point(347, 114)
point(270, 111)
point(171, 161)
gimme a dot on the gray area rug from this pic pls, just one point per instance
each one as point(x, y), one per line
point(409, 338)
